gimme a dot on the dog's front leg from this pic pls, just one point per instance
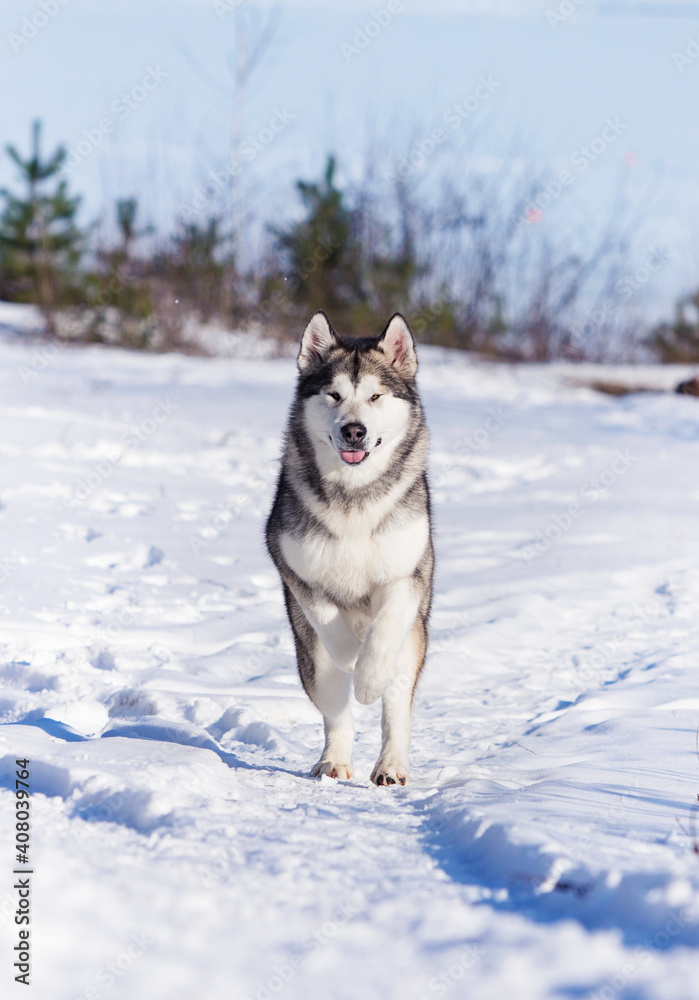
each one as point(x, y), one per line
point(394, 608)
point(331, 627)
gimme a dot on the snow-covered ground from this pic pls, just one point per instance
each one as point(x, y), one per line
point(547, 845)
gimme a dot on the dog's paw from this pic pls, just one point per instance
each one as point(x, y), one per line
point(376, 669)
point(388, 772)
point(342, 771)
point(368, 688)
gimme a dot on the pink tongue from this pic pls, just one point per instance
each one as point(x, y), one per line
point(353, 456)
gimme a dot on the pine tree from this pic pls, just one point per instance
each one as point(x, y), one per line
point(343, 259)
point(198, 259)
point(322, 249)
point(678, 342)
point(40, 242)
point(120, 282)
point(126, 211)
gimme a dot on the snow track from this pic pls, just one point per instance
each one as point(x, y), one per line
point(546, 846)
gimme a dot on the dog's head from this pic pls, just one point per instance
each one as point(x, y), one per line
point(358, 397)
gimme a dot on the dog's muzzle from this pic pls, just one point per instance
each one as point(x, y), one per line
point(354, 435)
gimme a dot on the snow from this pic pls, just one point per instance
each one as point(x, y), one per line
point(20, 318)
point(546, 846)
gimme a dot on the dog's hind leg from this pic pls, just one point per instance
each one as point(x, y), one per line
point(392, 767)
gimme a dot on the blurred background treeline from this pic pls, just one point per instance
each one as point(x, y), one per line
point(466, 261)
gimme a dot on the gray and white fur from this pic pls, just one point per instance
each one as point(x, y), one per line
point(350, 534)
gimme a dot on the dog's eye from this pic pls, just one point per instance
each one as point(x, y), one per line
point(377, 395)
point(335, 395)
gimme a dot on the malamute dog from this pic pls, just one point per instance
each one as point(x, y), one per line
point(350, 534)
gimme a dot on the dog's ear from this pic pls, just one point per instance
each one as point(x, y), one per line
point(316, 343)
point(398, 345)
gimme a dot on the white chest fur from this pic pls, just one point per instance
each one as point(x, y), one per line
point(355, 559)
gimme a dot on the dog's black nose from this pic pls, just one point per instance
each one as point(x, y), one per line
point(354, 433)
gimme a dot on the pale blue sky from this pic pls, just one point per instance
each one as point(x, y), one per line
point(557, 86)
